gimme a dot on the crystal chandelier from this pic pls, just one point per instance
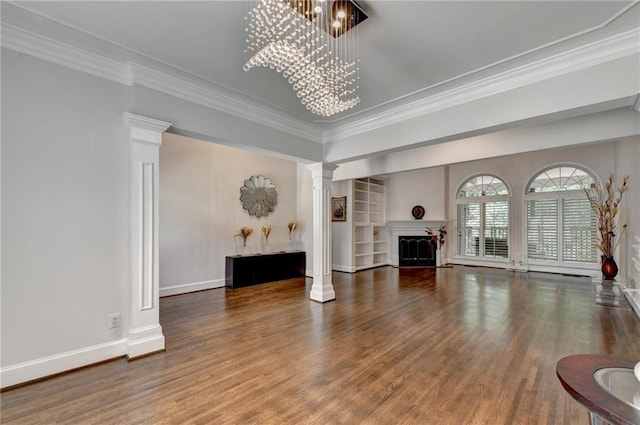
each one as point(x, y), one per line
point(313, 44)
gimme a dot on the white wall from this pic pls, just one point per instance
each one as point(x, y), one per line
point(424, 187)
point(628, 162)
point(65, 212)
point(570, 132)
point(200, 209)
point(516, 170)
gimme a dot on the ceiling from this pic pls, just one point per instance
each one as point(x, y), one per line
point(407, 48)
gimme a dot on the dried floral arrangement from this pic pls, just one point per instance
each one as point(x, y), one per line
point(292, 225)
point(245, 232)
point(605, 202)
point(441, 236)
point(266, 231)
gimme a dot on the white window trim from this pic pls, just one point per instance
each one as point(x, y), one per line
point(555, 266)
point(481, 260)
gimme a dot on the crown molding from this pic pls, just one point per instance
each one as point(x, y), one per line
point(222, 100)
point(180, 84)
point(602, 51)
point(177, 83)
point(51, 50)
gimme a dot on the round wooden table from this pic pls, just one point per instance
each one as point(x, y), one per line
point(576, 373)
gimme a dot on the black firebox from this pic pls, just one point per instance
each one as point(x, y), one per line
point(416, 251)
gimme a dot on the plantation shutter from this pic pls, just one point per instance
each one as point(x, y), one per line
point(578, 231)
point(542, 229)
point(496, 229)
point(468, 225)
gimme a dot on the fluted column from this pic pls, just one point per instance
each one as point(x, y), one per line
point(145, 333)
point(322, 288)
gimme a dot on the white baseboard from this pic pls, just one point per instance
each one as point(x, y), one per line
point(633, 297)
point(341, 268)
point(51, 365)
point(517, 267)
point(144, 341)
point(191, 287)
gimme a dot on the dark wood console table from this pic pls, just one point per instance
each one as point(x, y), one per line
point(576, 373)
point(247, 270)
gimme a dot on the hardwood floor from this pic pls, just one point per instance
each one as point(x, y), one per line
point(399, 346)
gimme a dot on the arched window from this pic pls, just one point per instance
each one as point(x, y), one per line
point(561, 228)
point(560, 179)
point(482, 218)
point(482, 186)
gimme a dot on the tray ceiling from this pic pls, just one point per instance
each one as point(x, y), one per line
point(405, 47)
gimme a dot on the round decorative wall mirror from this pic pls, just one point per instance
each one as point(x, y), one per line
point(258, 196)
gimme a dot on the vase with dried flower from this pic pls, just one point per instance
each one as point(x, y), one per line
point(291, 226)
point(244, 233)
point(266, 231)
point(605, 202)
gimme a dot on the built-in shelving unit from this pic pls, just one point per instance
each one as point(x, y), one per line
point(370, 245)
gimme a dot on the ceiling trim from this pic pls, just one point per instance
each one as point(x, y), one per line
point(217, 99)
point(602, 51)
point(180, 84)
point(130, 73)
point(51, 50)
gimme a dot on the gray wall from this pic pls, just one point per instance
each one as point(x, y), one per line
point(65, 209)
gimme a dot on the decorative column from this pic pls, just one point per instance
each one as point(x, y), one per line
point(322, 288)
point(145, 333)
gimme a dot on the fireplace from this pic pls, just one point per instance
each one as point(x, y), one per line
point(412, 228)
point(416, 251)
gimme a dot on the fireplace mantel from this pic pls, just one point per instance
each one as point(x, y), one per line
point(409, 228)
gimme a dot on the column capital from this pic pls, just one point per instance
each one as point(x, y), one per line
point(322, 169)
point(144, 129)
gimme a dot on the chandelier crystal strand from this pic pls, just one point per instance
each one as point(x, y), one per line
point(322, 69)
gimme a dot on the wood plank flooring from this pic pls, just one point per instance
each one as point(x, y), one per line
point(399, 346)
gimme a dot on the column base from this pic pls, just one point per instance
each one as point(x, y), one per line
point(322, 293)
point(145, 341)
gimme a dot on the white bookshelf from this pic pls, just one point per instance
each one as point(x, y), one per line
point(370, 245)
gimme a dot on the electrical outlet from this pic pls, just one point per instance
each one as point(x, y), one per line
point(114, 320)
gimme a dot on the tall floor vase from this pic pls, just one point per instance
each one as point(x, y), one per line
point(609, 268)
